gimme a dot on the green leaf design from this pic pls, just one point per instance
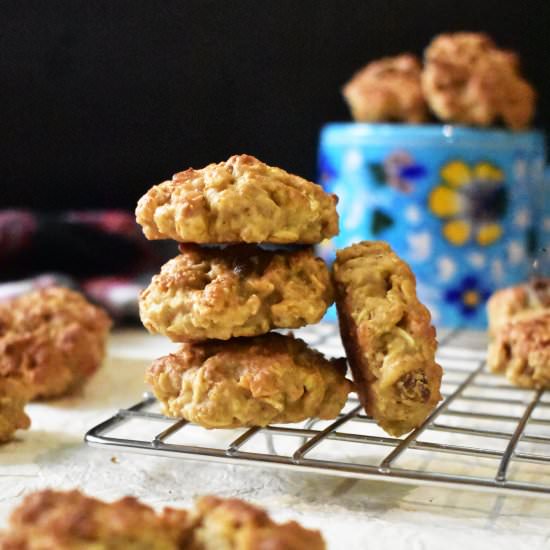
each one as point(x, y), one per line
point(531, 241)
point(377, 173)
point(380, 221)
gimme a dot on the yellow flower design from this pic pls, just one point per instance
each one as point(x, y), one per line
point(470, 200)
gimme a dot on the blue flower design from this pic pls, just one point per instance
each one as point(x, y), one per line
point(470, 296)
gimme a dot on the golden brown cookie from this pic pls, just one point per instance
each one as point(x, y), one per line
point(467, 79)
point(54, 520)
point(506, 303)
point(239, 200)
point(232, 524)
point(387, 89)
point(519, 332)
point(249, 382)
point(238, 291)
point(520, 348)
point(52, 340)
point(388, 336)
point(13, 398)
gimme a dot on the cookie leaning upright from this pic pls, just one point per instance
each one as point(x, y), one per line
point(239, 200)
point(388, 336)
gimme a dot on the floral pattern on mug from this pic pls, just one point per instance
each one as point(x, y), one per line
point(471, 202)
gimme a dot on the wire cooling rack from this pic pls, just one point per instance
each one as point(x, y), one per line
point(485, 434)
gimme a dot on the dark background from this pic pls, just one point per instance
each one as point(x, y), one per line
point(99, 100)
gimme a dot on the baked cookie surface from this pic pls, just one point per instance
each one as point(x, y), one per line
point(388, 89)
point(238, 291)
point(52, 340)
point(232, 524)
point(506, 303)
point(519, 333)
point(55, 520)
point(388, 336)
point(239, 200)
point(249, 382)
point(520, 349)
point(13, 398)
point(467, 79)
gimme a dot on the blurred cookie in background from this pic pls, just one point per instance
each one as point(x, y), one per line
point(387, 90)
point(519, 332)
point(52, 340)
point(67, 520)
point(13, 398)
point(468, 80)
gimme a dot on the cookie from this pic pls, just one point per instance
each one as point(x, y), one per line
point(235, 524)
point(467, 79)
point(239, 200)
point(387, 89)
point(55, 520)
point(519, 333)
point(241, 290)
point(520, 349)
point(52, 340)
point(506, 303)
point(13, 398)
point(388, 336)
point(249, 382)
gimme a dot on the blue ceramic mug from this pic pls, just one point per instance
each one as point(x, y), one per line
point(454, 202)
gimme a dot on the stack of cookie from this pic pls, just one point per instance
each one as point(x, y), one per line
point(223, 294)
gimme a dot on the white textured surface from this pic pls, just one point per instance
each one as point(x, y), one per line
point(351, 515)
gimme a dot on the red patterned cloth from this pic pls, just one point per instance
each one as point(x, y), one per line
point(102, 253)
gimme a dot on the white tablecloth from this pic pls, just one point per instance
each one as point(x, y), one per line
point(351, 514)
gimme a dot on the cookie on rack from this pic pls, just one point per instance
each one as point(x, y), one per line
point(520, 349)
point(519, 333)
point(467, 79)
point(52, 340)
point(249, 382)
point(506, 303)
point(388, 336)
point(239, 200)
point(387, 89)
point(48, 520)
point(240, 290)
point(13, 398)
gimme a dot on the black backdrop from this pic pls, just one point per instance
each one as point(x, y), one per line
point(99, 99)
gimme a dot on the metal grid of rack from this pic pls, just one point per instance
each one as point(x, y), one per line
point(485, 434)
